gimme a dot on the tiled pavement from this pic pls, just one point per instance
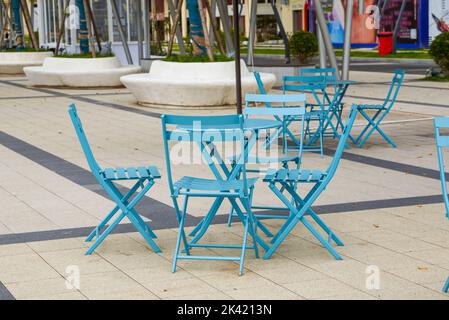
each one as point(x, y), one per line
point(385, 204)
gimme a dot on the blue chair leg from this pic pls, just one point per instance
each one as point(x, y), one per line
point(105, 233)
point(207, 220)
point(362, 133)
point(147, 236)
point(295, 217)
point(375, 126)
point(244, 244)
point(97, 230)
point(446, 286)
point(241, 216)
point(180, 234)
point(315, 217)
point(131, 214)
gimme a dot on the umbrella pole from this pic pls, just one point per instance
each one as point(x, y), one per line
point(238, 80)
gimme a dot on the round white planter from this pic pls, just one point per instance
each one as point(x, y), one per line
point(79, 72)
point(14, 62)
point(192, 84)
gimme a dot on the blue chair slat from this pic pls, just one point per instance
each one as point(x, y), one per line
point(121, 173)
point(441, 122)
point(279, 111)
point(305, 174)
point(154, 172)
point(282, 174)
point(109, 174)
point(209, 120)
point(270, 175)
point(293, 175)
point(316, 175)
point(320, 71)
point(132, 173)
point(124, 207)
point(443, 141)
point(143, 172)
point(275, 98)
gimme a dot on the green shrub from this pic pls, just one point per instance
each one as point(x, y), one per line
point(303, 45)
point(439, 50)
point(156, 49)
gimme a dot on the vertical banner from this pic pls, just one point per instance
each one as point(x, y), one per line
point(366, 25)
point(362, 33)
point(438, 17)
point(408, 29)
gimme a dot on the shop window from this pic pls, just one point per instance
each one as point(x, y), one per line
point(100, 12)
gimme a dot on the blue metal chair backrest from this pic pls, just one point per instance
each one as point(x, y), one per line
point(319, 71)
point(203, 129)
point(442, 141)
point(329, 73)
point(259, 83)
point(94, 167)
point(279, 112)
point(394, 88)
point(313, 84)
point(303, 83)
point(261, 86)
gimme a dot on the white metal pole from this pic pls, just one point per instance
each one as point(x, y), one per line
point(321, 47)
point(326, 37)
point(146, 29)
point(347, 43)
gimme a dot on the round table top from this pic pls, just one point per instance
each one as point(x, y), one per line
point(249, 124)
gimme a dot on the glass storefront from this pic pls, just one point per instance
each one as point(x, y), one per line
point(413, 27)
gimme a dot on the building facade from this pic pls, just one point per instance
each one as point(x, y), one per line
point(422, 20)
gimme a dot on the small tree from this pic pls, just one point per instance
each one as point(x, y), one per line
point(303, 45)
point(439, 50)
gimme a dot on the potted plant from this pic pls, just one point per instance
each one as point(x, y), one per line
point(303, 46)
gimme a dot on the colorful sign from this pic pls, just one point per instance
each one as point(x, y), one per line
point(362, 30)
point(408, 27)
point(372, 20)
point(438, 17)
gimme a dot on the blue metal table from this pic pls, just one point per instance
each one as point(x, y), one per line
point(341, 86)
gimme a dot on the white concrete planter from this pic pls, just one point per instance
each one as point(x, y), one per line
point(79, 72)
point(192, 84)
point(14, 62)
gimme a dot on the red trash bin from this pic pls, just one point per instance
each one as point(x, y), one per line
point(385, 43)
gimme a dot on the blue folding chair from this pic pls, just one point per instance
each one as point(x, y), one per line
point(144, 178)
point(288, 179)
point(220, 129)
point(315, 112)
point(334, 105)
point(281, 131)
point(380, 111)
point(283, 114)
point(442, 141)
